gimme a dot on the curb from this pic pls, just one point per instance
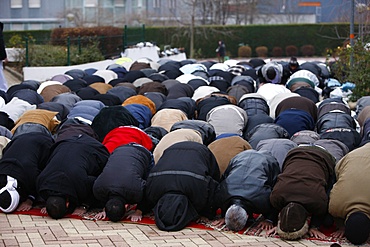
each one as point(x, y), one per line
point(16, 74)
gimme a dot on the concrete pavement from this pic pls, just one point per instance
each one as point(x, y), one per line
point(12, 77)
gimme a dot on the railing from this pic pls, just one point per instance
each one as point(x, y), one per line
point(77, 50)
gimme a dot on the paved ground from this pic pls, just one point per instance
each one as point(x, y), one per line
point(26, 230)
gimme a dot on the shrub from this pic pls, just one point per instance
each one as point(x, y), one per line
point(16, 41)
point(49, 55)
point(244, 51)
point(262, 51)
point(89, 54)
point(307, 50)
point(358, 72)
point(198, 53)
point(291, 51)
point(277, 51)
point(109, 38)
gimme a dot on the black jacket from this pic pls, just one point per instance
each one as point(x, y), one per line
point(2, 43)
point(24, 158)
point(73, 166)
point(187, 168)
point(125, 174)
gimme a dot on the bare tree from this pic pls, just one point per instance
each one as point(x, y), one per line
point(73, 16)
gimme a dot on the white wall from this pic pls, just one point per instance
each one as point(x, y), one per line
point(46, 73)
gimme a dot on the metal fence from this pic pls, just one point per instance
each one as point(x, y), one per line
point(77, 50)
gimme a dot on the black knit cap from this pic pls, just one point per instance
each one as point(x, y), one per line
point(357, 228)
point(292, 217)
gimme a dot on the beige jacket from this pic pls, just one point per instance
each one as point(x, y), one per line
point(165, 118)
point(351, 192)
point(173, 137)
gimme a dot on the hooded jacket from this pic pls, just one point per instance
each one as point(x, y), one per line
point(185, 104)
point(306, 178)
point(250, 176)
point(185, 168)
point(277, 147)
point(294, 120)
point(39, 116)
point(165, 118)
point(224, 149)
point(340, 126)
point(206, 130)
point(142, 114)
point(265, 131)
point(253, 104)
point(299, 103)
point(124, 174)
point(86, 109)
point(227, 119)
point(173, 137)
point(335, 119)
point(351, 192)
point(125, 135)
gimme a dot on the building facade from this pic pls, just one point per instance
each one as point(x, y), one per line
point(49, 14)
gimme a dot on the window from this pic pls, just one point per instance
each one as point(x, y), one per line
point(16, 4)
point(17, 27)
point(119, 3)
point(139, 3)
point(156, 4)
point(35, 26)
point(171, 4)
point(34, 3)
point(91, 3)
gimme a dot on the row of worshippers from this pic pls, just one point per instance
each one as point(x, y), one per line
point(93, 132)
point(187, 181)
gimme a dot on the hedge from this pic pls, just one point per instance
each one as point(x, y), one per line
point(321, 36)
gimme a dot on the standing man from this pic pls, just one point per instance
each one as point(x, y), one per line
point(221, 51)
point(3, 59)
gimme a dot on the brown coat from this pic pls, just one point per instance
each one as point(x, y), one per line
point(39, 116)
point(300, 103)
point(101, 87)
point(224, 149)
point(304, 179)
point(49, 92)
point(141, 99)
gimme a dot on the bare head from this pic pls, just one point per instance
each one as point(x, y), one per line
point(236, 217)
